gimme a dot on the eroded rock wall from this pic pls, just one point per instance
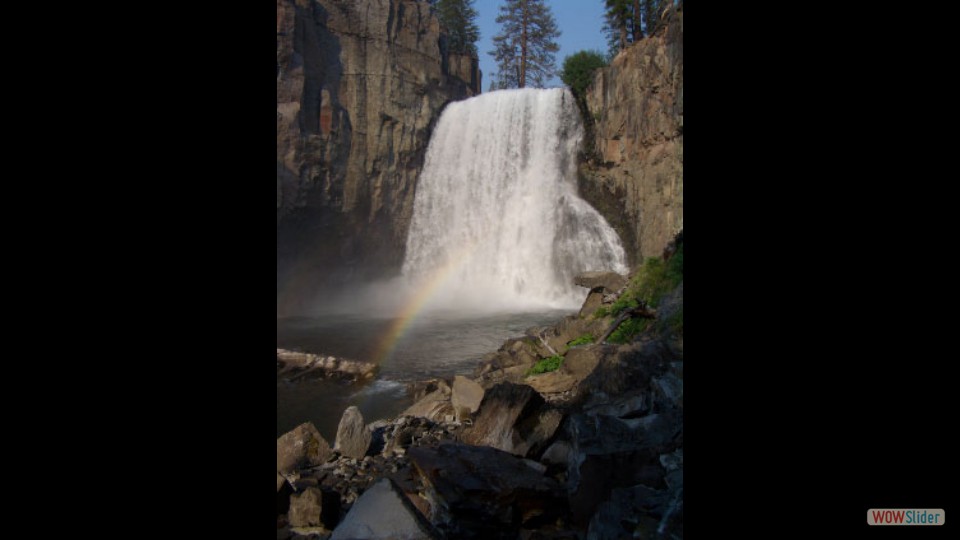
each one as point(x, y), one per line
point(360, 85)
point(634, 171)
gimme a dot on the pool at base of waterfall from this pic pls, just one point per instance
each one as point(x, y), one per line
point(441, 344)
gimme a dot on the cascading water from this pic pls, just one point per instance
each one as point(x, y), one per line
point(497, 222)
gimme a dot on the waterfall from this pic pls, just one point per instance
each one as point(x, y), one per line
point(497, 221)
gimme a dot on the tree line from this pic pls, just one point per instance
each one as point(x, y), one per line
point(525, 48)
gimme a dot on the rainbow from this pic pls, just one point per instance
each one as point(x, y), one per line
point(408, 313)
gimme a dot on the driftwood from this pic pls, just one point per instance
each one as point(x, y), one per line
point(641, 311)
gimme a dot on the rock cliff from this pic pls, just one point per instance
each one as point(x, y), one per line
point(360, 84)
point(634, 171)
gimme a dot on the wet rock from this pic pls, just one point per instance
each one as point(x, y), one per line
point(383, 512)
point(481, 492)
point(353, 437)
point(466, 397)
point(302, 446)
point(509, 416)
point(608, 281)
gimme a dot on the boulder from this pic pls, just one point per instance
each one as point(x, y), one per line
point(512, 418)
point(551, 382)
point(481, 492)
point(383, 513)
point(608, 281)
point(306, 508)
point(353, 437)
point(581, 361)
point(302, 446)
point(608, 453)
point(434, 406)
point(671, 388)
point(591, 304)
point(637, 508)
point(466, 397)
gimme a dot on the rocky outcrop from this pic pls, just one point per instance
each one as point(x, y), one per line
point(293, 365)
point(634, 174)
point(360, 85)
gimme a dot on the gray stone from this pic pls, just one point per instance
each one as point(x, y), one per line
point(607, 281)
point(434, 406)
point(300, 447)
point(353, 437)
point(467, 396)
point(383, 513)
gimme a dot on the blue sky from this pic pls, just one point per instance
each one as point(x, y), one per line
point(579, 21)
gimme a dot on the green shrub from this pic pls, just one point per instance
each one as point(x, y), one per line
point(545, 365)
point(582, 340)
point(628, 329)
point(578, 70)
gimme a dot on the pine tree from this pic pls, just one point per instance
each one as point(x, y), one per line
point(525, 49)
point(618, 17)
point(627, 21)
point(458, 17)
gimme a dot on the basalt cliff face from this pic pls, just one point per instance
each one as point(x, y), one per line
point(360, 85)
point(634, 171)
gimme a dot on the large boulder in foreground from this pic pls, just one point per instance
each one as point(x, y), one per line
point(302, 446)
point(480, 492)
point(383, 512)
point(353, 437)
point(513, 418)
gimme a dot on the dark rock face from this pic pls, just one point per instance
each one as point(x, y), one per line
point(609, 452)
point(513, 418)
point(353, 437)
point(479, 492)
point(302, 446)
point(360, 86)
point(635, 175)
point(383, 513)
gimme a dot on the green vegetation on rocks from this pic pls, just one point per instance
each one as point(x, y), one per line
point(546, 365)
point(582, 340)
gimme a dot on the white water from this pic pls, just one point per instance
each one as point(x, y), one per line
point(497, 222)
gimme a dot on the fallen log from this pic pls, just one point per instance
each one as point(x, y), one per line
point(640, 311)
